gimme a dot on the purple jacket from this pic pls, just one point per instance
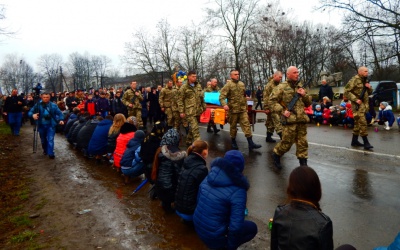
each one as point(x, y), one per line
point(102, 104)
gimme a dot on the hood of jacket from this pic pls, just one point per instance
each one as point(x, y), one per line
point(127, 128)
point(105, 122)
point(223, 173)
point(173, 153)
point(388, 107)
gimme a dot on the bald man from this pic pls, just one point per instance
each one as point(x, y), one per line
point(359, 105)
point(294, 123)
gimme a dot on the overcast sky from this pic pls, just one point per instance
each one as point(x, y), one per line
point(102, 27)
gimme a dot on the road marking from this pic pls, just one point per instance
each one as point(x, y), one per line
point(334, 147)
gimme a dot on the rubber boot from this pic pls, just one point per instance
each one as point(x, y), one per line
point(252, 145)
point(209, 128)
point(234, 144)
point(366, 143)
point(280, 135)
point(269, 137)
point(277, 161)
point(355, 142)
point(215, 129)
point(303, 161)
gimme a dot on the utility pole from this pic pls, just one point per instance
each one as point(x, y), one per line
point(61, 85)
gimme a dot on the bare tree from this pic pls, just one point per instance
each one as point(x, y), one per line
point(16, 73)
point(4, 30)
point(49, 66)
point(100, 66)
point(165, 45)
point(235, 17)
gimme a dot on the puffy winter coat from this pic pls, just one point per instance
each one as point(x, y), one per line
point(85, 134)
point(112, 142)
point(98, 142)
point(219, 215)
point(194, 172)
point(131, 160)
point(127, 132)
point(72, 118)
point(102, 105)
point(386, 115)
point(72, 138)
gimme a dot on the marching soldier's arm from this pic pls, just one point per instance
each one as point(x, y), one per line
point(125, 98)
point(349, 88)
point(275, 99)
point(265, 98)
point(180, 101)
point(140, 97)
point(202, 102)
point(223, 94)
point(161, 98)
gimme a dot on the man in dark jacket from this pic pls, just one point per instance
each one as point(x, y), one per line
point(325, 90)
point(13, 109)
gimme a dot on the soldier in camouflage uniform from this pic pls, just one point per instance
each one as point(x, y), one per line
point(191, 104)
point(359, 105)
point(165, 101)
point(273, 121)
point(132, 98)
point(234, 91)
point(212, 87)
point(294, 124)
point(175, 108)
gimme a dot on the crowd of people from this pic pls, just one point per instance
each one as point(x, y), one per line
point(112, 126)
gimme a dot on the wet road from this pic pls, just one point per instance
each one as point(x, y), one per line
point(360, 189)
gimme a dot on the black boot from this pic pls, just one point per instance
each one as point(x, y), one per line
point(366, 143)
point(252, 145)
point(209, 128)
point(234, 144)
point(303, 161)
point(269, 137)
point(215, 129)
point(280, 135)
point(187, 130)
point(221, 126)
point(355, 142)
point(277, 161)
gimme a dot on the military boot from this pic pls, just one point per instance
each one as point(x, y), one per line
point(269, 137)
point(234, 144)
point(209, 129)
point(215, 129)
point(303, 161)
point(252, 145)
point(355, 142)
point(280, 135)
point(366, 143)
point(277, 161)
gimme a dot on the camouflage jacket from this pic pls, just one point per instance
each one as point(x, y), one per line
point(353, 90)
point(166, 97)
point(211, 89)
point(130, 97)
point(267, 92)
point(236, 95)
point(175, 97)
point(281, 97)
point(191, 100)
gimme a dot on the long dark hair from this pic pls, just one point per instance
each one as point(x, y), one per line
point(304, 184)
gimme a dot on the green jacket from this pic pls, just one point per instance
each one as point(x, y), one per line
point(166, 97)
point(353, 90)
point(281, 97)
point(130, 97)
point(191, 100)
point(235, 92)
point(267, 92)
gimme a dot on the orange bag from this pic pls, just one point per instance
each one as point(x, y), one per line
point(219, 116)
point(205, 116)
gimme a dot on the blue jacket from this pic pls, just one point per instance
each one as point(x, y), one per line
point(131, 154)
point(48, 113)
point(98, 142)
point(395, 245)
point(220, 211)
point(386, 115)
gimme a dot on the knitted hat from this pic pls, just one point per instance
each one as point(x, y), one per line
point(385, 104)
point(317, 106)
point(139, 135)
point(171, 138)
point(343, 104)
point(236, 158)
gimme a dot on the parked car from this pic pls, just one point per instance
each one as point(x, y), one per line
point(383, 91)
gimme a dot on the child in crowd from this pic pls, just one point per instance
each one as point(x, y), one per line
point(166, 168)
point(349, 118)
point(119, 120)
point(326, 103)
point(127, 132)
point(219, 218)
point(310, 113)
point(334, 116)
point(342, 113)
point(102, 105)
point(326, 116)
point(194, 172)
point(90, 105)
point(318, 114)
point(385, 116)
point(131, 163)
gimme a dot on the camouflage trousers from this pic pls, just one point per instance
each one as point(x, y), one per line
point(194, 133)
point(241, 118)
point(293, 133)
point(170, 117)
point(360, 123)
point(138, 114)
point(178, 120)
point(273, 122)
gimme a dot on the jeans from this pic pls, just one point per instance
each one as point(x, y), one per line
point(14, 120)
point(47, 132)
